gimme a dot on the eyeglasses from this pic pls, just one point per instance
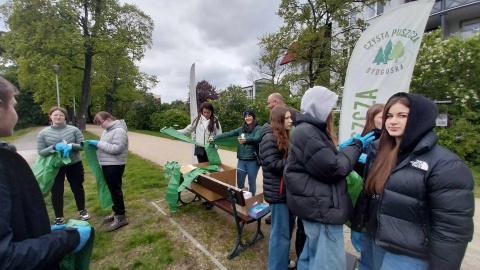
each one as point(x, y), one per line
point(102, 122)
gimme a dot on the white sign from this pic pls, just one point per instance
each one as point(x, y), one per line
point(382, 62)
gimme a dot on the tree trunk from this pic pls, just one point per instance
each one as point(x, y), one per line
point(86, 88)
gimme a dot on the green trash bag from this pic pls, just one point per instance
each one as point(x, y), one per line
point(172, 174)
point(355, 186)
point(46, 169)
point(104, 195)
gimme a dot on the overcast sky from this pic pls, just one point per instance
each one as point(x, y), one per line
point(219, 36)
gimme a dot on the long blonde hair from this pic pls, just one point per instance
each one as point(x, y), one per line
point(387, 155)
point(277, 123)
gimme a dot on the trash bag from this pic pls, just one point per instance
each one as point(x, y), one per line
point(172, 174)
point(46, 169)
point(104, 195)
point(355, 186)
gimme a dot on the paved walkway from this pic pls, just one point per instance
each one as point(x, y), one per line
point(161, 150)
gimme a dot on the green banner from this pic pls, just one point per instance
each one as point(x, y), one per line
point(104, 195)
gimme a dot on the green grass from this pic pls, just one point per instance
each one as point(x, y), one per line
point(476, 177)
point(158, 134)
point(150, 241)
point(17, 134)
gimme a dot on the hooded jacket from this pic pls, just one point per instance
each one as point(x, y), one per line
point(315, 172)
point(200, 130)
point(427, 204)
point(113, 144)
point(248, 150)
point(26, 240)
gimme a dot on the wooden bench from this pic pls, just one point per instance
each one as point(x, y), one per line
point(231, 196)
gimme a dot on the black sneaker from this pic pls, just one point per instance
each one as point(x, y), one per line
point(268, 220)
point(208, 206)
point(59, 221)
point(84, 215)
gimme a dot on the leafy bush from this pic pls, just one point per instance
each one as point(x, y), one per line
point(176, 118)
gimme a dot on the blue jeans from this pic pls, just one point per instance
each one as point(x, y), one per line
point(250, 168)
point(324, 247)
point(280, 235)
point(371, 257)
point(374, 257)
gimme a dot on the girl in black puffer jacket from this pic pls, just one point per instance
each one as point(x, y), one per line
point(417, 204)
point(273, 156)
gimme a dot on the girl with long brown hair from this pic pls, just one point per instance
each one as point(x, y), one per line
point(417, 204)
point(274, 148)
point(315, 180)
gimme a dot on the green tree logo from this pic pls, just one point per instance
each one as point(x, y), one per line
point(390, 53)
point(397, 51)
point(380, 58)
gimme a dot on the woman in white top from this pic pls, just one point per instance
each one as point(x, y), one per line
point(204, 127)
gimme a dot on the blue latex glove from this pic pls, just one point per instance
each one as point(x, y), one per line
point(356, 240)
point(66, 152)
point(60, 146)
point(345, 143)
point(93, 142)
point(363, 158)
point(58, 227)
point(84, 232)
point(369, 137)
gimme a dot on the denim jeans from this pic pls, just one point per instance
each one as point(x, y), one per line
point(324, 247)
point(280, 235)
point(374, 257)
point(371, 257)
point(250, 168)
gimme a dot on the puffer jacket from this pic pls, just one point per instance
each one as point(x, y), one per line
point(26, 239)
point(200, 130)
point(273, 165)
point(248, 150)
point(49, 136)
point(315, 173)
point(426, 206)
point(113, 144)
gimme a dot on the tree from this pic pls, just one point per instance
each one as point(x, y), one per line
point(388, 50)
point(447, 69)
point(205, 92)
point(229, 107)
point(73, 34)
point(380, 57)
point(321, 52)
point(397, 52)
point(142, 110)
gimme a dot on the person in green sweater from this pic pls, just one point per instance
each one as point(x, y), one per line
point(249, 138)
point(65, 138)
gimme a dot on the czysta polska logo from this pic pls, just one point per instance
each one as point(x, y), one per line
point(391, 51)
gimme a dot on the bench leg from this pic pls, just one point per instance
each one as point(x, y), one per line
point(240, 245)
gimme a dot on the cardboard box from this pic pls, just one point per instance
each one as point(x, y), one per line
point(228, 175)
point(259, 210)
point(249, 203)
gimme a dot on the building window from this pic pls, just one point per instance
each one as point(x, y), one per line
point(471, 25)
point(374, 10)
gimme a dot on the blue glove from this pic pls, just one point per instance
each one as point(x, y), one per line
point(58, 227)
point(60, 146)
point(363, 158)
point(66, 152)
point(345, 143)
point(356, 240)
point(93, 142)
point(84, 232)
point(366, 139)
